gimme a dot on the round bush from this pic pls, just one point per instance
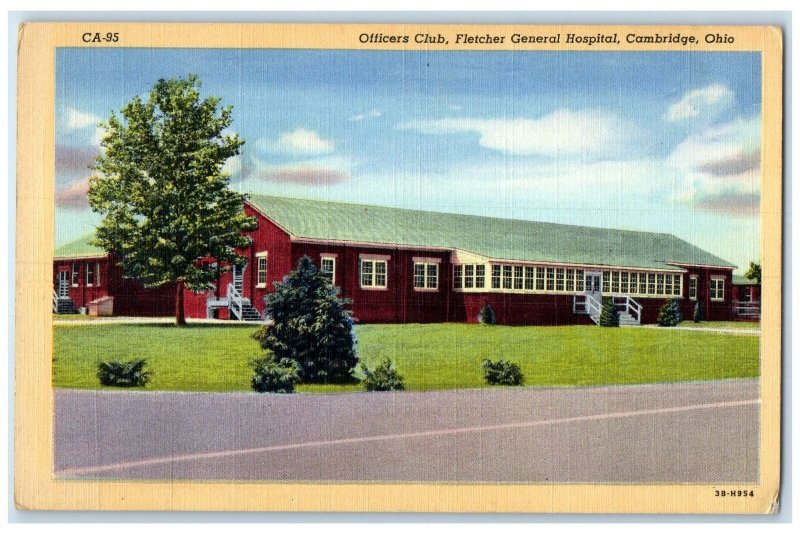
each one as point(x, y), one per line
point(275, 376)
point(502, 373)
point(384, 377)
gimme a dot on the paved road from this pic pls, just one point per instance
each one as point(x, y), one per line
point(694, 432)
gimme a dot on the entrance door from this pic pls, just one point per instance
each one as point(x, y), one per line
point(593, 285)
point(238, 278)
point(63, 283)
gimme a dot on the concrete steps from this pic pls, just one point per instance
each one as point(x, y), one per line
point(65, 306)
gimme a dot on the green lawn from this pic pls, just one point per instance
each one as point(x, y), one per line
point(72, 317)
point(434, 356)
point(739, 325)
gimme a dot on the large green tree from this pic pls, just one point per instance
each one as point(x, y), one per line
point(162, 192)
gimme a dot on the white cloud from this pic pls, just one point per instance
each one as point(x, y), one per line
point(233, 165)
point(98, 136)
point(589, 133)
point(300, 142)
point(721, 168)
point(78, 120)
point(372, 114)
point(310, 171)
point(708, 101)
point(715, 146)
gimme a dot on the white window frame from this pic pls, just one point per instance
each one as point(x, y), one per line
point(696, 280)
point(332, 259)
point(373, 285)
point(463, 282)
point(86, 274)
point(427, 267)
point(75, 274)
point(716, 284)
point(458, 276)
point(259, 256)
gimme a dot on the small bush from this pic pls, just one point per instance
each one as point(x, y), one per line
point(384, 377)
point(486, 315)
point(698, 312)
point(123, 374)
point(273, 375)
point(609, 316)
point(669, 315)
point(502, 373)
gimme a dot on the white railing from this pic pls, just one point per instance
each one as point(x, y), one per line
point(235, 302)
point(747, 310)
point(593, 306)
point(627, 305)
point(55, 301)
point(587, 305)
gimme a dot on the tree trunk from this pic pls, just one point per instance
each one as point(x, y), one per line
point(180, 317)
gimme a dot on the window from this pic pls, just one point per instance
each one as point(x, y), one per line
point(540, 278)
point(659, 284)
point(559, 279)
point(668, 284)
point(426, 275)
point(529, 278)
point(89, 274)
point(716, 288)
point(570, 280)
point(75, 275)
point(634, 282)
point(432, 277)
point(551, 279)
point(677, 282)
point(469, 276)
point(623, 283)
point(518, 273)
point(419, 275)
point(261, 269)
point(693, 288)
point(480, 276)
point(496, 277)
point(373, 273)
point(643, 283)
point(507, 278)
point(458, 276)
point(606, 280)
point(327, 268)
point(651, 284)
point(579, 280)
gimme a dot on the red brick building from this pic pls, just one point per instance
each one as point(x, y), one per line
point(407, 266)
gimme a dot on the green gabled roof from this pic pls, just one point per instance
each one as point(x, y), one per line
point(80, 248)
point(739, 280)
point(498, 239)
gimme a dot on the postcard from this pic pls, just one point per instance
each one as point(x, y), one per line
point(413, 267)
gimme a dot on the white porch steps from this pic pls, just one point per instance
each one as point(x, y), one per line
point(630, 311)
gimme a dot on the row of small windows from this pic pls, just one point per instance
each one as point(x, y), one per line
point(643, 283)
point(558, 279)
point(373, 274)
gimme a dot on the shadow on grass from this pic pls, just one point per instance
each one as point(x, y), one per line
point(189, 326)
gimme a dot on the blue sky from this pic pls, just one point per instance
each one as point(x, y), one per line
point(656, 141)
